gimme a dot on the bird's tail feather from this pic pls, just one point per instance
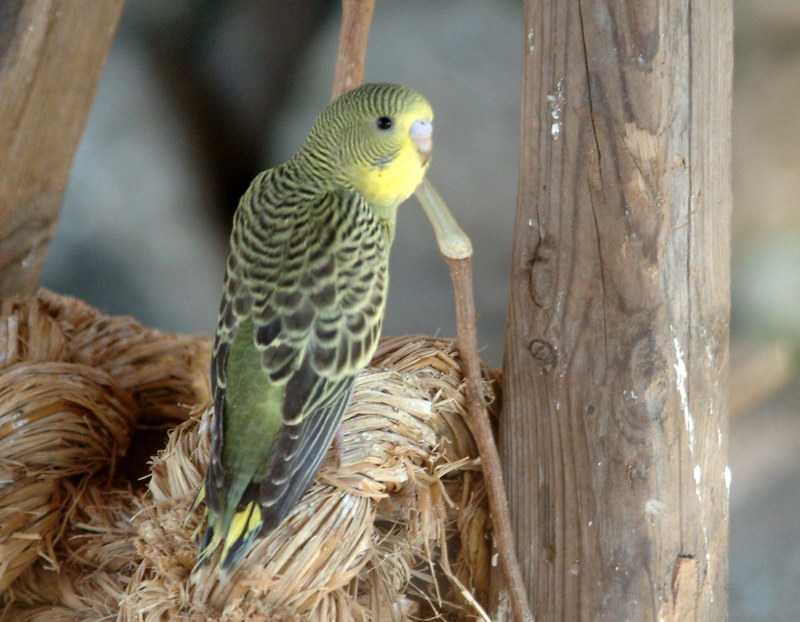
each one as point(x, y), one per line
point(243, 527)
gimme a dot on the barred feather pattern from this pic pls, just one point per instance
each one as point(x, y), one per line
point(300, 317)
point(307, 275)
point(353, 144)
point(311, 272)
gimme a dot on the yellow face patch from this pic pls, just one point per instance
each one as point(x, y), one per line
point(392, 180)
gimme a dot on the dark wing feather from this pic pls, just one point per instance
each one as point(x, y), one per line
point(308, 275)
point(235, 304)
point(331, 313)
point(297, 458)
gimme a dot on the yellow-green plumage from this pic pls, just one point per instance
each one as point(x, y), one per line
point(301, 311)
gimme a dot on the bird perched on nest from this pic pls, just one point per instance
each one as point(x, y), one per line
point(302, 307)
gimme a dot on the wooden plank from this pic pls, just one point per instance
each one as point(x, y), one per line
point(614, 432)
point(51, 56)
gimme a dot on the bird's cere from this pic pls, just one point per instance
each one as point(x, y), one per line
point(421, 133)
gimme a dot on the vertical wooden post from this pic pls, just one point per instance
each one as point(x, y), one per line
point(51, 55)
point(614, 432)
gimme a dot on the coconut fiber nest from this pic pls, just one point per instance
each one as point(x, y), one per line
point(103, 444)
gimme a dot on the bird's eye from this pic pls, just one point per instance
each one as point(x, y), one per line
point(384, 123)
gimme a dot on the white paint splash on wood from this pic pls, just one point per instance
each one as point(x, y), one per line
point(556, 100)
point(698, 476)
point(681, 374)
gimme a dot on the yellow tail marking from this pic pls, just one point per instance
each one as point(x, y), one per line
point(244, 523)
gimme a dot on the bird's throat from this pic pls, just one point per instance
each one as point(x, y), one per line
point(392, 183)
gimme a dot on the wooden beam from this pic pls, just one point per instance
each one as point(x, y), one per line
point(614, 431)
point(51, 56)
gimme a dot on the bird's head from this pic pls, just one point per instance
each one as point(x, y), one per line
point(380, 137)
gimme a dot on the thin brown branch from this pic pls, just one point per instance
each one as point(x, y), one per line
point(461, 273)
point(455, 246)
point(356, 20)
point(758, 370)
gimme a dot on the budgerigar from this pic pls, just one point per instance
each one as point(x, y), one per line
point(302, 307)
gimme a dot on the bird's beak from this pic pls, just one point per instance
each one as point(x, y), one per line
point(421, 134)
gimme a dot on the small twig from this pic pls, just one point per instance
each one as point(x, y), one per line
point(457, 249)
point(356, 20)
point(453, 242)
point(757, 371)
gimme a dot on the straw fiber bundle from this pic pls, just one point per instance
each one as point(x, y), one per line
point(397, 532)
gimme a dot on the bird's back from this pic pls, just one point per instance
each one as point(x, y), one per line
point(304, 296)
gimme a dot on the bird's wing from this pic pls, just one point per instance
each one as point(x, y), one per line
point(304, 295)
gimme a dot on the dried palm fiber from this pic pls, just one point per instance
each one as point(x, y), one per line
point(398, 532)
point(70, 396)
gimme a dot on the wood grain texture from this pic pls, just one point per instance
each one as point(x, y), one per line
point(614, 432)
point(353, 36)
point(51, 56)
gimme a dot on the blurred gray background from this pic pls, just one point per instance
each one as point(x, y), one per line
point(199, 96)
